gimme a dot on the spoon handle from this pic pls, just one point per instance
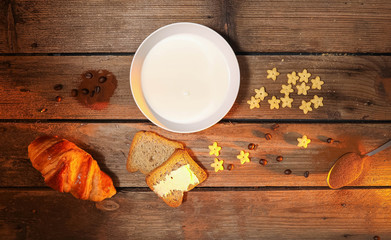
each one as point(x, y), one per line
point(381, 148)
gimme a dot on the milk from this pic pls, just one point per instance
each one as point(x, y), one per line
point(185, 78)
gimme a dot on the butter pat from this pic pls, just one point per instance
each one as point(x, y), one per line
point(179, 179)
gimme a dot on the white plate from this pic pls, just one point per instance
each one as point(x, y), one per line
point(184, 77)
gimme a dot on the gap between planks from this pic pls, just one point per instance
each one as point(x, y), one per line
point(218, 189)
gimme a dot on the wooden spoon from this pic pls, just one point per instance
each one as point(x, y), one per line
point(349, 166)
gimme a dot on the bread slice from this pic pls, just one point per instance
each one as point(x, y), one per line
point(149, 150)
point(179, 174)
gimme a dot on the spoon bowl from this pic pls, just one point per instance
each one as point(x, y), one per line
point(349, 167)
point(345, 170)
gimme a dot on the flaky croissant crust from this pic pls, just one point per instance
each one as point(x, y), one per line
point(67, 168)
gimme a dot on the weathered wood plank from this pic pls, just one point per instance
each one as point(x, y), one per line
point(109, 145)
point(95, 26)
point(311, 26)
point(315, 214)
point(262, 26)
point(355, 87)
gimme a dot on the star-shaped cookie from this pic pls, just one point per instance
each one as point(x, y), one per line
point(292, 78)
point(286, 89)
point(302, 89)
point(304, 76)
point(214, 149)
point(272, 74)
point(286, 101)
point(261, 93)
point(317, 101)
point(303, 141)
point(218, 165)
point(243, 157)
point(274, 103)
point(254, 102)
point(305, 106)
point(317, 83)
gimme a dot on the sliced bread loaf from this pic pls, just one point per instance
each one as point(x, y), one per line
point(179, 174)
point(149, 150)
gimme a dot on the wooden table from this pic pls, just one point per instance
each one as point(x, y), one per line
point(346, 43)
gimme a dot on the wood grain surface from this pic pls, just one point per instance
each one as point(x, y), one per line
point(311, 26)
point(346, 43)
point(280, 214)
point(251, 26)
point(109, 144)
point(355, 87)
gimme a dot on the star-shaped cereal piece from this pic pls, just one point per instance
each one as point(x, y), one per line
point(243, 157)
point(254, 102)
point(214, 149)
point(317, 101)
point(272, 74)
point(218, 165)
point(286, 89)
point(305, 106)
point(274, 103)
point(292, 78)
point(286, 101)
point(317, 83)
point(304, 75)
point(261, 93)
point(303, 141)
point(302, 89)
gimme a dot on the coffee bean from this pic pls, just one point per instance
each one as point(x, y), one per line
point(252, 146)
point(230, 167)
point(58, 99)
point(97, 89)
point(92, 93)
point(57, 87)
point(43, 110)
point(376, 238)
point(288, 171)
point(262, 161)
point(85, 91)
point(88, 75)
point(330, 140)
point(74, 93)
point(343, 204)
point(268, 136)
point(275, 126)
point(306, 174)
point(279, 158)
point(102, 79)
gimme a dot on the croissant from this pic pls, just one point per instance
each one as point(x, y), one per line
point(67, 168)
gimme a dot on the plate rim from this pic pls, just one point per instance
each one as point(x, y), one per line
point(228, 104)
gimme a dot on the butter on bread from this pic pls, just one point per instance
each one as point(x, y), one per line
point(179, 174)
point(149, 150)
